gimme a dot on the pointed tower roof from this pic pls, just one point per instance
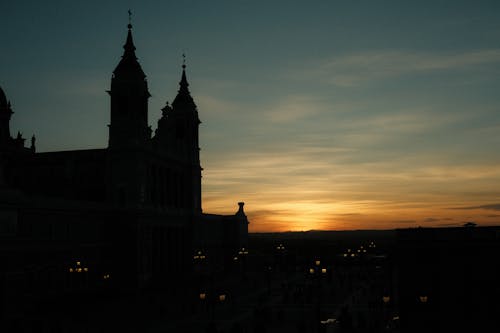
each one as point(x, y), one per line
point(129, 64)
point(183, 98)
point(183, 84)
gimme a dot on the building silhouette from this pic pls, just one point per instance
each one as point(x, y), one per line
point(446, 279)
point(128, 216)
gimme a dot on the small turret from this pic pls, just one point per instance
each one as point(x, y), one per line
point(33, 139)
point(240, 211)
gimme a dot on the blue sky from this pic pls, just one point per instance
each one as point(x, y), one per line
point(321, 114)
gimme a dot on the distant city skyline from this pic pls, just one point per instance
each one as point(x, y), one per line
point(326, 115)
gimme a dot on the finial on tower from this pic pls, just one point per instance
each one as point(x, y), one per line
point(240, 211)
point(129, 19)
point(33, 139)
point(183, 61)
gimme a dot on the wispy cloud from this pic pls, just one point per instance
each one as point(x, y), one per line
point(487, 207)
point(354, 69)
point(210, 104)
point(292, 108)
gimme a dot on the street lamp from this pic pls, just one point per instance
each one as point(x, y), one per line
point(241, 257)
point(78, 268)
point(199, 256)
point(386, 299)
point(210, 300)
point(243, 251)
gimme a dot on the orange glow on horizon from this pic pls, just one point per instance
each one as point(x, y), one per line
point(305, 216)
point(301, 188)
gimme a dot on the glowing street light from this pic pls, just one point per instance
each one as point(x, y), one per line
point(199, 256)
point(78, 268)
point(423, 299)
point(243, 251)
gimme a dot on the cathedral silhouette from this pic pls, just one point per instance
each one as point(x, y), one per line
point(128, 216)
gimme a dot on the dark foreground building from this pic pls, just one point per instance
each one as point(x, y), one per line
point(128, 216)
point(447, 279)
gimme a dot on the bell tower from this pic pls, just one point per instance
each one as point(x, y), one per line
point(129, 133)
point(184, 114)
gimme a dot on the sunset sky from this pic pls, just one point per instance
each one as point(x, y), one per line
point(318, 114)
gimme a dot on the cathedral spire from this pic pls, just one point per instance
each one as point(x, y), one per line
point(129, 64)
point(183, 98)
point(183, 85)
point(129, 99)
point(129, 46)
